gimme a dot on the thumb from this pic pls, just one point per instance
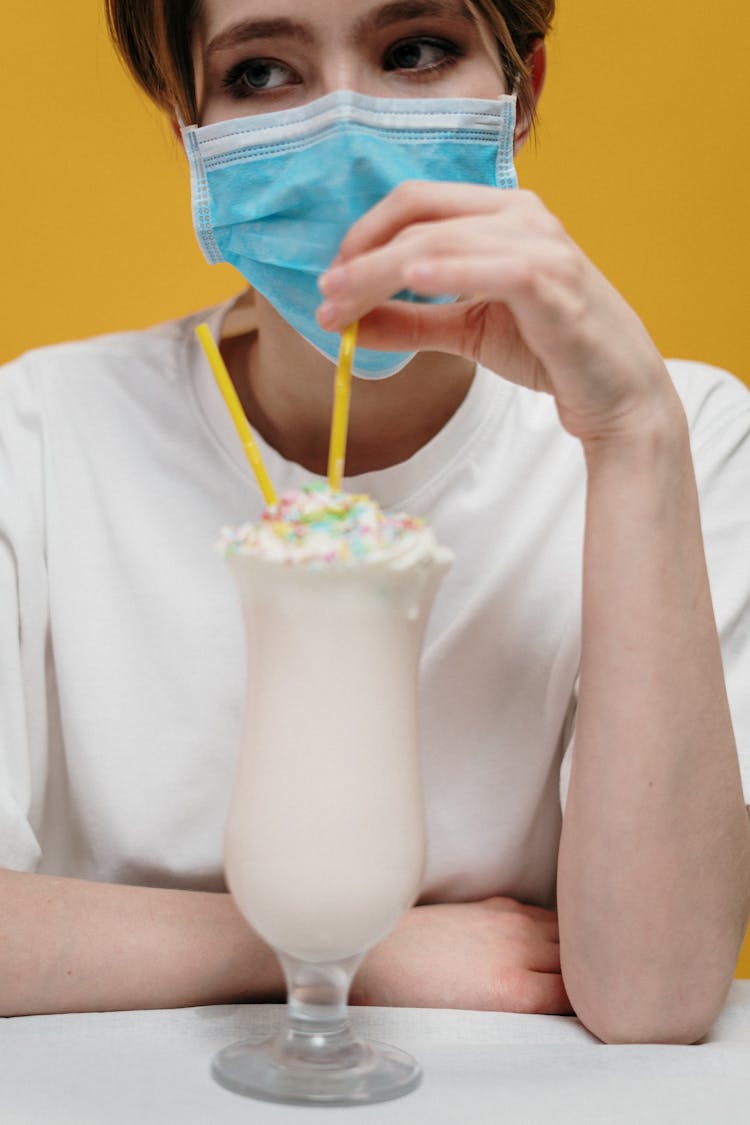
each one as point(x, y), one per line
point(405, 326)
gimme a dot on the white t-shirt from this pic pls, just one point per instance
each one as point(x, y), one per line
point(121, 648)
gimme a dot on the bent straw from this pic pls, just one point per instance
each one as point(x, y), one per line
point(342, 395)
point(228, 393)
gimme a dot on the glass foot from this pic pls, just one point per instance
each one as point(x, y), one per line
point(316, 1067)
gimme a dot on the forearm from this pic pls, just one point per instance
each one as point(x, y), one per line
point(655, 851)
point(68, 945)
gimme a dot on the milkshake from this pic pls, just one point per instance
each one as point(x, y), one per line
point(325, 836)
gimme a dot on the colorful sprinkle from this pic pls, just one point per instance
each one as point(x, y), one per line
point(320, 526)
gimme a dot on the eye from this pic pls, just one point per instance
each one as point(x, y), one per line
point(255, 76)
point(420, 54)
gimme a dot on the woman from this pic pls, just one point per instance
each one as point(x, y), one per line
point(122, 700)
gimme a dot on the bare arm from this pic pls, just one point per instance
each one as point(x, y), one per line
point(654, 875)
point(67, 945)
point(72, 946)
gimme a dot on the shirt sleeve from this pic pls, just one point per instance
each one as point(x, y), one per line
point(23, 622)
point(718, 411)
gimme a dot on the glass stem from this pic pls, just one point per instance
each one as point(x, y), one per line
point(317, 1031)
point(317, 994)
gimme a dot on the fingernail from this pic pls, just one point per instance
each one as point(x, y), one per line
point(327, 314)
point(333, 281)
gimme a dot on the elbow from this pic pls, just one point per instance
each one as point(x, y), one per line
point(620, 1028)
point(649, 998)
point(624, 1013)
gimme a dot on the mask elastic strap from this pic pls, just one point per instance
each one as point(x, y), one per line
point(179, 119)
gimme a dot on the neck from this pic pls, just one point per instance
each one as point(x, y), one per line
point(286, 390)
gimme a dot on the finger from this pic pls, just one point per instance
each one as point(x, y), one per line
point(549, 995)
point(539, 924)
point(417, 201)
point(530, 993)
point(372, 281)
point(548, 932)
point(541, 913)
point(535, 287)
point(544, 957)
point(457, 258)
point(374, 277)
point(490, 275)
point(403, 326)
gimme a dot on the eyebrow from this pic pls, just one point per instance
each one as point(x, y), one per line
point(377, 20)
point(246, 30)
point(410, 10)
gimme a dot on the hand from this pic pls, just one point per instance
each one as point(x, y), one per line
point(534, 308)
point(495, 955)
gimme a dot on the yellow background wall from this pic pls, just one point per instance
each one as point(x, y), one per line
point(642, 152)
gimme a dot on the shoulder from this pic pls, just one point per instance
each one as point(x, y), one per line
point(114, 353)
point(713, 398)
point(94, 377)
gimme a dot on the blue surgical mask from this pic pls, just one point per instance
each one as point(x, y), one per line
point(275, 193)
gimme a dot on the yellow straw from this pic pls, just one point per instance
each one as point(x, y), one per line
point(228, 393)
point(342, 394)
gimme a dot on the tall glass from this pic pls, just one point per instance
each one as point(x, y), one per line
point(325, 837)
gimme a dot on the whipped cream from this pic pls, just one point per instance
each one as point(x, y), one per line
point(318, 527)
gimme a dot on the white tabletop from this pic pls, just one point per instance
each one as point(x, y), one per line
point(144, 1068)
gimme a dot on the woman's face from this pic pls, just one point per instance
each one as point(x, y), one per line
point(257, 56)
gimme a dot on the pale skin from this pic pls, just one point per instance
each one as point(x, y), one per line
point(654, 871)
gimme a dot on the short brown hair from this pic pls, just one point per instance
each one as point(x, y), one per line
point(154, 37)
